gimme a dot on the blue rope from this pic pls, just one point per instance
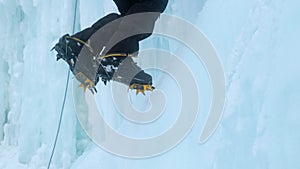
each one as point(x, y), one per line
point(65, 96)
point(75, 15)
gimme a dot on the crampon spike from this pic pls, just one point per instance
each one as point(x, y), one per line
point(141, 88)
point(83, 86)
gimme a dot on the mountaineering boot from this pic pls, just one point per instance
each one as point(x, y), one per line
point(89, 69)
point(126, 71)
point(141, 82)
point(107, 68)
point(68, 49)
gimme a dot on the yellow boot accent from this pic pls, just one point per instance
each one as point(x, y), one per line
point(83, 86)
point(115, 55)
point(86, 83)
point(89, 83)
point(87, 44)
point(141, 88)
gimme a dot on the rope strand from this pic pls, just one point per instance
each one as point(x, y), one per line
point(65, 95)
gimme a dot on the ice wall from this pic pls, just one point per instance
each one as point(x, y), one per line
point(31, 95)
point(257, 45)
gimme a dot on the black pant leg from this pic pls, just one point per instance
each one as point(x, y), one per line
point(142, 23)
point(148, 6)
point(88, 32)
point(148, 23)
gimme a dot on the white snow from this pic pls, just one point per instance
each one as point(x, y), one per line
point(258, 42)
